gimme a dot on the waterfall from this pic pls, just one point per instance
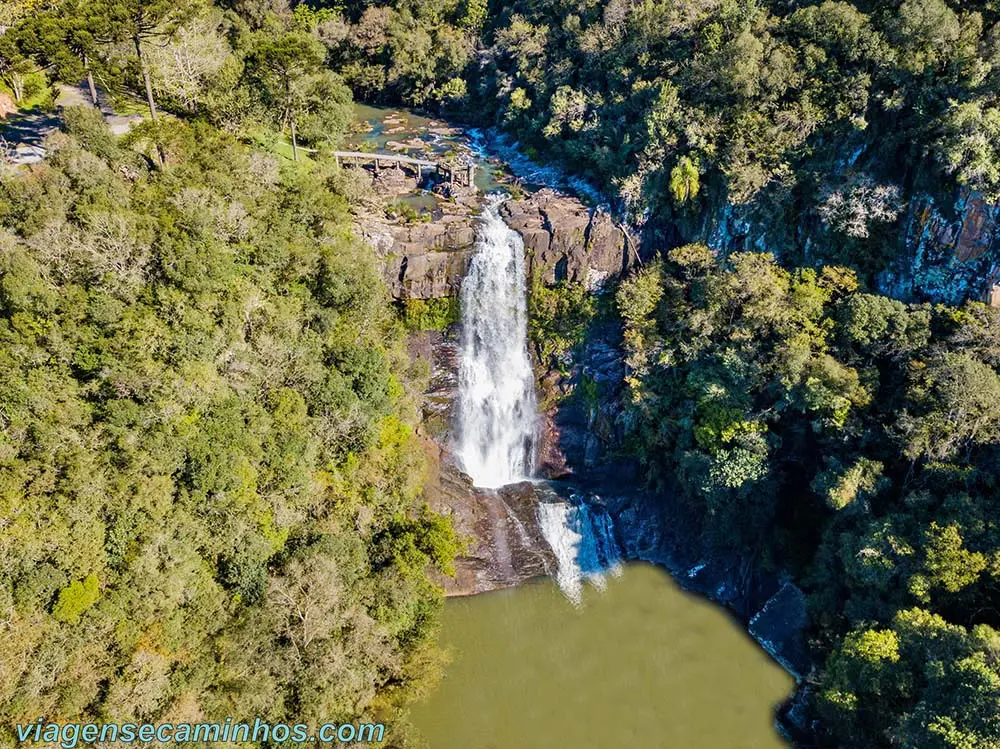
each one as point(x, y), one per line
point(497, 412)
point(582, 539)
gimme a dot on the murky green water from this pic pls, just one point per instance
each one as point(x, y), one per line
point(642, 665)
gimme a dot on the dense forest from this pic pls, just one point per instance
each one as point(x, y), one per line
point(855, 440)
point(654, 99)
point(202, 440)
point(209, 479)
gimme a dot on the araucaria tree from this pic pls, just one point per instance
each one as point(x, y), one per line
point(63, 39)
point(288, 74)
point(138, 23)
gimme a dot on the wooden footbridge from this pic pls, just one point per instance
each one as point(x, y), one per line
point(463, 174)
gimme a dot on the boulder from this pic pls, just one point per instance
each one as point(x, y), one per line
point(780, 629)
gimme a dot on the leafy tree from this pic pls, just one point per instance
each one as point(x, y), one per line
point(844, 487)
point(959, 400)
point(968, 145)
point(190, 64)
point(947, 564)
point(15, 67)
point(474, 14)
point(75, 599)
point(684, 183)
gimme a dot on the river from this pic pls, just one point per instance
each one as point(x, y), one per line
point(604, 655)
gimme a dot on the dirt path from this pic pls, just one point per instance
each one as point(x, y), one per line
point(25, 133)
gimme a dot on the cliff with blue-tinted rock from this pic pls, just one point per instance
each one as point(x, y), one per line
point(920, 247)
point(947, 253)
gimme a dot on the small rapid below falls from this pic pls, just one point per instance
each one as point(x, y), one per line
point(581, 538)
point(497, 409)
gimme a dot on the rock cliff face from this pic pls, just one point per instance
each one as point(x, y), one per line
point(941, 252)
point(423, 261)
point(564, 239)
point(948, 255)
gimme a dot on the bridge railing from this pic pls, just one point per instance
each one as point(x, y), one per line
point(462, 174)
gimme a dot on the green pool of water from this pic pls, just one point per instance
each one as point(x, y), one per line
point(641, 665)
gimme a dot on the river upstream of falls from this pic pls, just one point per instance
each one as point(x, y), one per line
point(607, 655)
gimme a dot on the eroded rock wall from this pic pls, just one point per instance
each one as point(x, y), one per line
point(948, 254)
point(567, 241)
point(564, 240)
point(941, 251)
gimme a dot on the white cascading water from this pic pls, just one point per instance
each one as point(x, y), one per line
point(498, 413)
point(582, 540)
point(497, 410)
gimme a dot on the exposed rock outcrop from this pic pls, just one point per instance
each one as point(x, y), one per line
point(565, 240)
point(948, 255)
point(506, 546)
point(424, 260)
point(943, 252)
